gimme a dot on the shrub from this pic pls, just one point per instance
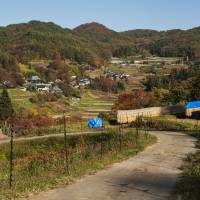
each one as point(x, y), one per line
point(134, 100)
point(69, 91)
point(41, 98)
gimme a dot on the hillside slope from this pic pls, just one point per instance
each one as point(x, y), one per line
point(93, 43)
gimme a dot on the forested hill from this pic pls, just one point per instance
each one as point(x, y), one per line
point(106, 40)
point(168, 43)
point(92, 43)
point(39, 40)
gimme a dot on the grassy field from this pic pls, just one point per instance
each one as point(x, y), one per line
point(189, 186)
point(21, 98)
point(172, 123)
point(40, 164)
point(91, 103)
point(25, 69)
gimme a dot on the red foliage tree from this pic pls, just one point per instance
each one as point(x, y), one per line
point(66, 78)
point(134, 100)
point(57, 62)
point(107, 84)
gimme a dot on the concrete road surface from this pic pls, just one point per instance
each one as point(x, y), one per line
point(151, 175)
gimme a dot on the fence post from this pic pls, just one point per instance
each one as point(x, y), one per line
point(11, 156)
point(120, 137)
point(101, 142)
point(137, 134)
point(65, 144)
point(146, 127)
point(81, 124)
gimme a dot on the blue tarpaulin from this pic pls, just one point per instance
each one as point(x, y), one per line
point(95, 123)
point(193, 104)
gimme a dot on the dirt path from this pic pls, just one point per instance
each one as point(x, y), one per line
point(7, 140)
point(151, 175)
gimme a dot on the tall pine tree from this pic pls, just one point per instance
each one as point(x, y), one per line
point(6, 109)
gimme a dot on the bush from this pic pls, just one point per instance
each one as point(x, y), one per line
point(134, 100)
point(107, 85)
point(41, 98)
point(69, 91)
point(157, 124)
point(111, 117)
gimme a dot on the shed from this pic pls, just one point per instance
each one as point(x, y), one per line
point(193, 104)
point(191, 107)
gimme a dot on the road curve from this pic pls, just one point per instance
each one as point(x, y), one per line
point(151, 175)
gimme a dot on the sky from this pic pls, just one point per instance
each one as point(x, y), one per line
point(119, 15)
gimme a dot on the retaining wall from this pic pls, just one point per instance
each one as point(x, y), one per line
point(128, 116)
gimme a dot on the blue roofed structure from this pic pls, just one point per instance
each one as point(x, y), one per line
point(192, 107)
point(193, 104)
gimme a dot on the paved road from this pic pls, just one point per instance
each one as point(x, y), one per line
point(151, 175)
point(3, 141)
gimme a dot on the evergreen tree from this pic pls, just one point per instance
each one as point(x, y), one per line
point(6, 109)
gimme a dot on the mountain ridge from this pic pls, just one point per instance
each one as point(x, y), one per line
point(93, 42)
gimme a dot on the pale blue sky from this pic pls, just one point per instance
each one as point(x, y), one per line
point(119, 15)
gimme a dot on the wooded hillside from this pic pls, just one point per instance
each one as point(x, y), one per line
point(92, 43)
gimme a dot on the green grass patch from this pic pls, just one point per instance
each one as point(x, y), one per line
point(189, 186)
point(25, 69)
point(21, 98)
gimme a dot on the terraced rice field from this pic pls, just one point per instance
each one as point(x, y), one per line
point(91, 103)
point(21, 98)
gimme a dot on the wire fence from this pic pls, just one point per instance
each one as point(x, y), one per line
point(36, 165)
point(74, 124)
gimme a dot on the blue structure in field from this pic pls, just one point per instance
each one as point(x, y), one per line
point(192, 107)
point(95, 123)
point(193, 104)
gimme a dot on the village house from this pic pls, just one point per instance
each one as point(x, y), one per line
point(34, 79)
point(35, 83)
point(43, 87)
point(56, 90)
point(117, 76)
point(83, 82)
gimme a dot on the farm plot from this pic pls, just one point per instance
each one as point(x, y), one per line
point(21, 98)
point(91, 103)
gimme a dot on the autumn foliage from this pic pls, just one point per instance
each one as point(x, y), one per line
point(107, 84)
point(134, 99)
